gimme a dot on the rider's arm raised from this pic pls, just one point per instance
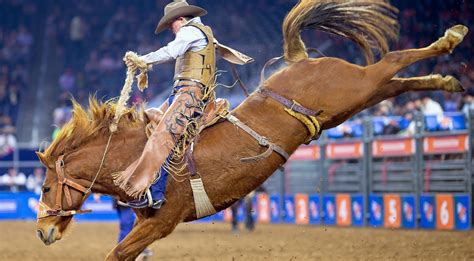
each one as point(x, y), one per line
point(187, 38)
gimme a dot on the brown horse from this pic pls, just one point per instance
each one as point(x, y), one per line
point(338, 88)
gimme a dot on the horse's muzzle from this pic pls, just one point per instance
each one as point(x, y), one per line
point(48, 237)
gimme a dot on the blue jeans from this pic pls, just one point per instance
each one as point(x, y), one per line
point(126, 219)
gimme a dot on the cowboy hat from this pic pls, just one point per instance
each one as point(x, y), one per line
point(176, 9)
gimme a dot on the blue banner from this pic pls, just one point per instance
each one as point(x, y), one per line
point(290, 214)
point(329, 206)
point(102, 210)
point(24, 205)
point(357, 208)
point(461, 210)
point(254, 208)
point(408, 211)
point(376, 210)
point(427, 211)
point(314, 209)
point(275, 209)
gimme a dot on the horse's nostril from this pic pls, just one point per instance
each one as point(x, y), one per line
point(40, 235)
point(51, 235)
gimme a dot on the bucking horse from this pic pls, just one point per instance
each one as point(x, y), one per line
point(291, 107)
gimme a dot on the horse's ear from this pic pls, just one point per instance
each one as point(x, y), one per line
point(42, 158)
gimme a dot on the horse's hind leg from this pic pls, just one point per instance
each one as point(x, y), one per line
point(397, 86)
point(433, 82)
point(393, 62)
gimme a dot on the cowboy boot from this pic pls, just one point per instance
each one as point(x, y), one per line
point(154, 196)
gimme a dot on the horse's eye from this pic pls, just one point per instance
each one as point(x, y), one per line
point(45, 189)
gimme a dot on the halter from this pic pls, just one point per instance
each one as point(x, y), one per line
point(63, 185)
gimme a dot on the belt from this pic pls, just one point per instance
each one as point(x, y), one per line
point(188, 83)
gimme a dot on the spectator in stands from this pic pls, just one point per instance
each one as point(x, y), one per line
point(35, 180)
point(468, 101)
point(392, 128)
point(13, 102)
point(7, 136)
point(61, 115)
point(14, 180)
point(410, 130)
point(77, 30)
point(429, 106)
point(67, 81)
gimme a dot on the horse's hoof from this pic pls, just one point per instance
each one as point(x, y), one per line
point(453, 85)
point(452, 37)
point(459, 31)
point(455, 35)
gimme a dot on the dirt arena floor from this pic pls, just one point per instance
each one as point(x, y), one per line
point(92, 241)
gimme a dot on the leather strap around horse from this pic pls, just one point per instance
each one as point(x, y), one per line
point(261, 140)
point(277, 97)
point(287, 103)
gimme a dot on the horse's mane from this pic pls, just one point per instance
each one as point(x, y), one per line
point(86, 124)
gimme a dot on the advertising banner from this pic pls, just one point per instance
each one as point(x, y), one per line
point(290, 212)
point(275, 209)
point(392, 211)
point(329, 206)
point(461, 208)
point(306, 152)
point(427, 211)
point(302, 209)
point(444, 211)
point(314, 209)
point(408, 211)
point(453, 144)
point(263, 202)
point(398, 147)
point(343, 209)
point(358, 215)
point(351, 150)
point(376, 210)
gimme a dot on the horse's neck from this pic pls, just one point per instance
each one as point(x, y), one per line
point(125, 147)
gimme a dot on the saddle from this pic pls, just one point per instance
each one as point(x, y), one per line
point(213, 112)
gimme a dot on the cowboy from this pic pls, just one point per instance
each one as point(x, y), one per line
point(194, 50)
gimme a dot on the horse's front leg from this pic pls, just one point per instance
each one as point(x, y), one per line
point(434, 82)
point(145, 232)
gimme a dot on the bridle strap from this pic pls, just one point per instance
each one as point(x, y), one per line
point(64, 184)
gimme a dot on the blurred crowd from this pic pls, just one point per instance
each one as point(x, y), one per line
point(16, 181)
point(16, 50)
point(96, 36)
point(92, 37)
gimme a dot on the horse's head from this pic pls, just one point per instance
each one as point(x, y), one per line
point(76, 164)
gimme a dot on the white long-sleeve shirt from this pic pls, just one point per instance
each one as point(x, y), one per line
point(187, 38)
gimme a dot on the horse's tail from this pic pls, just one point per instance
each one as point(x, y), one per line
point(369, 23)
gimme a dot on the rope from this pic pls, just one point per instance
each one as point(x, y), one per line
point(100, 166)
point(127, 87)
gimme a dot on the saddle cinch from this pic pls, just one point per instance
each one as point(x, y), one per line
point(213, 112)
